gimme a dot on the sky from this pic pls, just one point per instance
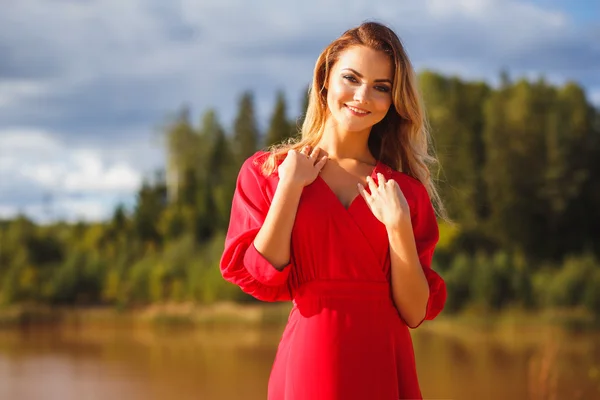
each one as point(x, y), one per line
point(86, 85)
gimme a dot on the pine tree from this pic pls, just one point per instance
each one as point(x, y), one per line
point(303, 108)
point(149, 207)
point(182, 148)
point(516, 125)
point(219, 177)
point(245, 131)
point(279, 127)
point(455, 110)
point(569, 150)
point(216, 155)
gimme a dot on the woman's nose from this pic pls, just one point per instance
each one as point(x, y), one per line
point(361, 94)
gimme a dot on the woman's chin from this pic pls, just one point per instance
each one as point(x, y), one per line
point(354, 127)
point(352, 124)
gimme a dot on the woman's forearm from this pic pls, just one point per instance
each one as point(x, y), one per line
point(274, 237)
point(410, 289)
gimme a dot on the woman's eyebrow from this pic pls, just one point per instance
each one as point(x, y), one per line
point(360, 75)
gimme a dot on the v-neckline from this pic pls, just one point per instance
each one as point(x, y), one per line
point(358, 195)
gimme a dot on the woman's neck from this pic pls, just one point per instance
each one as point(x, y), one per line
point(343, 145)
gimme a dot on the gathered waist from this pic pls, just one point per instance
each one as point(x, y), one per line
point(311, 297)
point(338, 293)
point(360, 290)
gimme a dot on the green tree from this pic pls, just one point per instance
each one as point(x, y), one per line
point(210, 134)
point(279, 127)
point(570, 151)
point(455, 110)
point(303, 108)
point(182, 147)
point(539, 147)
point(119, 219)
point(514, 140)
point(149, 206)
point(218, 181)
point(245, 130)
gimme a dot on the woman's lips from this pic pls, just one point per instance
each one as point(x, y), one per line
point(359, 112)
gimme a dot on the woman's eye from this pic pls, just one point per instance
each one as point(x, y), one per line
point(379, 88)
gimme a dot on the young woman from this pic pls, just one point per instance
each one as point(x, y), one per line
point(341, 223)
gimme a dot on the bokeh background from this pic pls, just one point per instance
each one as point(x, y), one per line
point(123, 126)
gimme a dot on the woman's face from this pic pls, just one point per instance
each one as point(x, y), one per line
point(359, 89)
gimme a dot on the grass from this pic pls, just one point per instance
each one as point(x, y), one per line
point(254, 314)
point(176, 315)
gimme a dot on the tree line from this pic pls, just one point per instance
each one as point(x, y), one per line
point(519, 173)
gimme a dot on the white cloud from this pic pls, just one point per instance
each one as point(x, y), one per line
point(41, 159)
point(16, 91)
point(65, 209)
point(91, 175)
point(27, 141)
point(47, 178)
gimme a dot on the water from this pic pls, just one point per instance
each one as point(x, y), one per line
point(110, 362)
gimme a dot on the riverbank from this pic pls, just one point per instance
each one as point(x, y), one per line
point(180, 314)
point(254, 314)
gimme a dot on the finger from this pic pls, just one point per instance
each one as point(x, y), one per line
point(392, 183)
point(381, 180)
point(315, 152)
point(321, 163)
point(372, 185)
point(363, 192)
point(314, 155)
point(305, 150)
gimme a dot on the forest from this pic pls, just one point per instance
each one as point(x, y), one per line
point(519, 173)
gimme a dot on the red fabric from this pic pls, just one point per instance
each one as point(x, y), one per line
point(344, 338)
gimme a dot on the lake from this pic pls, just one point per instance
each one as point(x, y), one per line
point(87, 362)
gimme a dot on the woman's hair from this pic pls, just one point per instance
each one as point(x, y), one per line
point(401, 139)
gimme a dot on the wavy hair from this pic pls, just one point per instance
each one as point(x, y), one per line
point(401, 139)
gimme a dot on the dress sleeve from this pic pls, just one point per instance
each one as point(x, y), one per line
point(241, 264)
point(426, 233)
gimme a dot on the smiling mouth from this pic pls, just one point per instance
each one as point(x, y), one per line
point(357, 111)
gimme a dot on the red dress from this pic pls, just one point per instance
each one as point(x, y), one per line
point(344, 338)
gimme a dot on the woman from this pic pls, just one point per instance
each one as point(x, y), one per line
point(330, 223)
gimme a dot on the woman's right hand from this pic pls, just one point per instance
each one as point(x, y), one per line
point(301, 167)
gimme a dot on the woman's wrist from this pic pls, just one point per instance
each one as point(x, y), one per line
point(400, 227)
point(290, 186)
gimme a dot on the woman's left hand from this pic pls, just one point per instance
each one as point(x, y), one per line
point(386, 201)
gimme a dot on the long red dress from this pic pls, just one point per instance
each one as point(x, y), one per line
point(344, 338)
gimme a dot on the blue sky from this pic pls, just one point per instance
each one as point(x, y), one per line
point(581, 11)
point(86, 85)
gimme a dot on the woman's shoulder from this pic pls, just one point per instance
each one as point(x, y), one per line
point(407, 183)
point(256, 161)
point(252, 175)
point(254, 164)
point(399, 176)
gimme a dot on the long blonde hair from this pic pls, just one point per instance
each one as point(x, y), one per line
point(401, 139)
